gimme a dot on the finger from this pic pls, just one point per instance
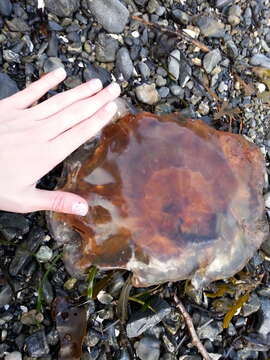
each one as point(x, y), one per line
point(37, 89)
point(58, 201)
point(59, 102)
point(66, 143)
point(78, 112)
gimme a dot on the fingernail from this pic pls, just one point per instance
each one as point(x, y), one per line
point(114, 89)
point(79, 209)
point(111, 107)
point(60, 73)
point(95, 84)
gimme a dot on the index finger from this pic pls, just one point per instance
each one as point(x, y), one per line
point(37, 89)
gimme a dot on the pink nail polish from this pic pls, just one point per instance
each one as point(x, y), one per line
point(95, 84)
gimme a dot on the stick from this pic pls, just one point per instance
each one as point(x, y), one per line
point(179, 33)
point(195, 339)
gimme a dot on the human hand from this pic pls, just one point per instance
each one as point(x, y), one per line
point(34, 140)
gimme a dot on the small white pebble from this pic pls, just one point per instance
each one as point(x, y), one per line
point(261, 87)
point(267, 200)
point(135, 34)
point(23, 308)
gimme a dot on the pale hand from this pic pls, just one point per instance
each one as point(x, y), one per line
point(33, 140)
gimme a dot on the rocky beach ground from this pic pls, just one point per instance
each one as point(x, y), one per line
point(206, 59)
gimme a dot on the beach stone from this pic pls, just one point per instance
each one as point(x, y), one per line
point(62, 8)
point(147, 94)
point(112, 15)
point(260, 60)
point(8, 86)
point(124, 63)
point(5, 7)
point(210, 27)
point(211, 59)
point(106, 48)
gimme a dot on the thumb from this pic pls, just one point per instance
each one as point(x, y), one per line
point(59, 201)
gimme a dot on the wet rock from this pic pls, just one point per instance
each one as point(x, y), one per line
point(222, 3)
point(52, 50)
point(8, 86)
point(152, 6)
point(142, 320)
point(247, 354)
point(210, 27)
point(18, 25)
point(62, 8)
point(5, 295)
point(211, 60)
point(148, 348)
point(96, 72)
point(13, 225)
point(210, 331)
point(185, 73)
point(44, 254)
point(5, 7)
point(232, 49)
point(161, 81)
point(147, 94)
point(260, 60)
point(174, 63)
point(112, 15)
point(163, 91)
point(181, 17)
point(23, 254)
point(177, 90)
point(106, 48)
point(144, 70)
point(15, 355)
point(11, 56)
point(264, 319)
point(234, 15)
point(52, 63)
point(36, 344)
point(251, 306)
point(124, 63)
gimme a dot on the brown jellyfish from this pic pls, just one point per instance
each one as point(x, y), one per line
point(169, 199)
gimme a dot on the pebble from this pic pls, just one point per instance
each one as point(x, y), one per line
point(251, 306)
point(181, 17)
point(96, 72)
point(152, 6)
point(142, 320)
point(124, 63)
point(210, 331)
point(112, 15)
point(147, 94)
point(210, 27)
point(12, 225)
point(23, 254)
point(161, 81)
point(185, 73)
point(144, 70)
point(106, 48)
point(8, 87)
point(232, 49)
point(174, 63)
point(44, 254)
point(15, 355)
point(148, 348)
point(36, 344)
point(260, 60)
point(52, 63)
point(177, 90)
point(211, 59)
point(222, 3)
point(267, 200)
point(234, 15)
point(62, 8)
point(203, 108)
point(264, 319)
point(163, 91)
point(18, 25)
point(5, 7)
point(5, 295)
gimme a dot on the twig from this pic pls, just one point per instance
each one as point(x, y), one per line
point(179, 33)
point(195, 339)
